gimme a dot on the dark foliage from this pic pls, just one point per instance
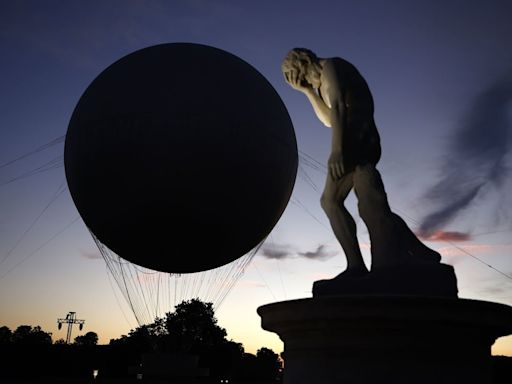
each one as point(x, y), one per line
point(5, 336)
point(88, 340)
point(191, 330)
point(25, 347)
point(25, 335)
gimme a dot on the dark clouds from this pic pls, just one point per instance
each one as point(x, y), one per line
point(476, 160)
point(283, 251)
point(276, 251)
point(321, 253)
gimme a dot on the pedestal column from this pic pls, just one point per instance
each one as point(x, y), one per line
point(360, 339)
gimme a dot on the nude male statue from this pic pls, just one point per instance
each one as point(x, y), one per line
point(342, 101)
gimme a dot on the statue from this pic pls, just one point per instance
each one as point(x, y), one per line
point(342, 101)
point(401, 317)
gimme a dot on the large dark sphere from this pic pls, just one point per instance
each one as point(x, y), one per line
point(180, 157)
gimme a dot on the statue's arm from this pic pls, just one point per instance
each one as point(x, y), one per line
point(338, 117)
point(322, 111)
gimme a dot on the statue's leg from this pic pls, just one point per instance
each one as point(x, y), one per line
point(342, 223)
point(415, 248)
point(374, 209)
point(391, 239)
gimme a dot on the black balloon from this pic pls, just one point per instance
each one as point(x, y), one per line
point(180, 157)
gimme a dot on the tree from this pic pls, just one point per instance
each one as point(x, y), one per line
point(225, 359)
point(269, 363)
point(21, 335)
point(192, 327)
point(26, 335)
point(145, 338)
point(88, 340)
point(5, 336)
point(139, 339)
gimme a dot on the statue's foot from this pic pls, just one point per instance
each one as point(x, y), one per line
point(426, 255)
point(416, 279)
point(351, 273)
point(339, 283)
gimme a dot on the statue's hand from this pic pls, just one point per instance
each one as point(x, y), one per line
point(297, 82)
point(335, 165)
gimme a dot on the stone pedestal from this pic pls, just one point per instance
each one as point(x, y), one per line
point(379, 339)
point(437, 280)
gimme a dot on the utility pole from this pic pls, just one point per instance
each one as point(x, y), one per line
point(70, 320)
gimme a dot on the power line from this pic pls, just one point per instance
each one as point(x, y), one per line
point(57, 193)
point(483, 262)
point(281, 278)
point(40, 247)
point(56, 162)
point(264, 281)
point(50, 144)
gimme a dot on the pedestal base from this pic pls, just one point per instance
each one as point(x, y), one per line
point(437, 280)
point(413, 340)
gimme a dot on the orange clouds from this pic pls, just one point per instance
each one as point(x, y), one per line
point(440, 235)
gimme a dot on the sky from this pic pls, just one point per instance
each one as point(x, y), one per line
point(441, 76)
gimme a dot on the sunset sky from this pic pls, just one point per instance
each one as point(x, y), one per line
point(441, 76)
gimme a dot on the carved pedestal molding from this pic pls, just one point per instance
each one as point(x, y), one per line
point(378, 339)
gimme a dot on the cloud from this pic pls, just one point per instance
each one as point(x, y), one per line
point(284, 251)
point(322, 252)
point(476, 160)
point(439, 235)
point(276, 251)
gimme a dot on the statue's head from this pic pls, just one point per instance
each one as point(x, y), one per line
point(305, 63)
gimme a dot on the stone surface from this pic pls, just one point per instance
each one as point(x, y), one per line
point(395, 340)
point(431, 280)
point(342, 100)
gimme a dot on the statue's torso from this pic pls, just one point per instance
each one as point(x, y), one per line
point(361, 142)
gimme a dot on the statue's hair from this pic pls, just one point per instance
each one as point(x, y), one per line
point(299, 60)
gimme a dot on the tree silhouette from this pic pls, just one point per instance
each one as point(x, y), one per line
point(24, 351)
point(87, 340)
point(5, 336)
point(28, 336)
point(192, 327)
point(269, 363)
